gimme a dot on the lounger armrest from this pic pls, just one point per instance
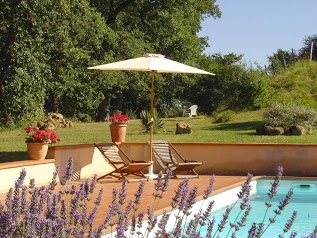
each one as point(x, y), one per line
point(138, 161)
point(117, 163)
point(190, 161)
point(168, 163)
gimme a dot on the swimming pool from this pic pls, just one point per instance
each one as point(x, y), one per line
point(304, 201)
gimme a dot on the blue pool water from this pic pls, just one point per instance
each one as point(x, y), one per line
point(304, 201)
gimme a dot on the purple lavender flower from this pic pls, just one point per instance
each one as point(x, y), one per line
point(114, 205)
point(243, 219)
point(272, 192)
point(52, 208)
point(120, 232)
point(123, 192)
point(252, 230)
point(73, 189)
point(224, 220)
point(138, 195)
point(290, 222)
point(206, 213)
point(209, 188)
point(24, 202)
point(22, 175)
point(194, 225)
point(107, 220)
point(126, 214)
point(93, 184)
point(293, 234)
point(210, 227)
point(180, 194)
point(285, 201)
point(259, 230)
point(151, 219)
point(140, 219)
point(158, 185)
point(162, 225)
point(32, 183)
point(53, 182)
point(167, 177)
point(63, 210)
point(190, 200)
point(133, 224)
point(68, 171)
point(245, 187)
point(177, 231)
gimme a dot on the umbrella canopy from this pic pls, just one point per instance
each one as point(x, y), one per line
point(151, 62)
point(155, 63)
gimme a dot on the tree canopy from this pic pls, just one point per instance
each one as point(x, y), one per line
point(46, 47)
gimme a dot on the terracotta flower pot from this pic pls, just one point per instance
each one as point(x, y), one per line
point(118, 132)
point(37, 151)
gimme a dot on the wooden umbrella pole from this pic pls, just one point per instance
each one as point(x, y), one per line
point(151, 114)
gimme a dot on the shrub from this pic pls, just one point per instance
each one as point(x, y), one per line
point(146, 118)
point(223, 117)
point(83, 117)
point(287, 115)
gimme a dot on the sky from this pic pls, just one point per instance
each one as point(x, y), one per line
point(258, 28)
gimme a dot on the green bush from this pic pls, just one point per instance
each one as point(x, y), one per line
point(83, 117)
point(286, 115)
point(145, 119)
point(223, 117)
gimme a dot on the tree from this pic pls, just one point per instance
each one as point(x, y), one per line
point(46, 47)
point(233, 87)
point(304, 52)
point(281, 60)
point(166, 27)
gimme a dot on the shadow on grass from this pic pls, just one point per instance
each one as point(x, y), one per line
point(13, 156)
point(237, 126)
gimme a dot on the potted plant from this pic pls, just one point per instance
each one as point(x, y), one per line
point(37, 141)
point(118, 127)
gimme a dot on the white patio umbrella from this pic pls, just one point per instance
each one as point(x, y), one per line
point(155, 63)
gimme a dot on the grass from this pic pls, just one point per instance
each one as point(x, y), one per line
point(240, 129)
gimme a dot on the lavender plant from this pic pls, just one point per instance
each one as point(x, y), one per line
point(32, 211)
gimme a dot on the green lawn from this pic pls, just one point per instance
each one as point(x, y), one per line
point(241, 129)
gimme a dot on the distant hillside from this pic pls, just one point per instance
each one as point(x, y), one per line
point(297, 84)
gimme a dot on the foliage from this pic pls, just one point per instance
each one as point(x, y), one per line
point(145, 117)
point(35, 135)
point(304, 52)
point(46, 212)
point(223, 117)
point(297, 85)
point(233, 87)
point(46, 48)
point(119, 119)
point(286, 115)
point(281, 60)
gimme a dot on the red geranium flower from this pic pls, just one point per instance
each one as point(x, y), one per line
point(119, 119)
point(35, 135)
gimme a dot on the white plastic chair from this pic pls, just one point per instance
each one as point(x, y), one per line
point(192, 111)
